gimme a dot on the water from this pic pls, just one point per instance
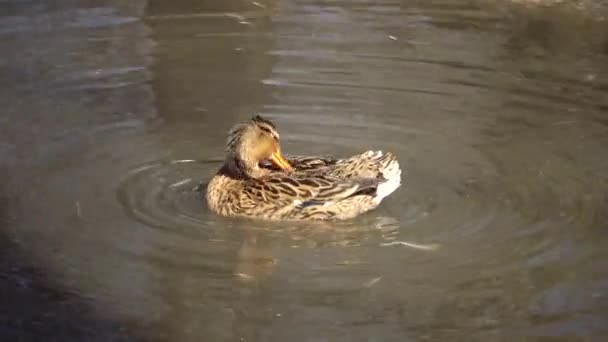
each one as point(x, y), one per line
point(114, 112)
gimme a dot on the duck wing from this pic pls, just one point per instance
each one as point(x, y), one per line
point(307, 190)
point(371, 164)
point(307, 163)
point(303, 163)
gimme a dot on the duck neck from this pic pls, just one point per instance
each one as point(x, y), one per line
point(243, 168)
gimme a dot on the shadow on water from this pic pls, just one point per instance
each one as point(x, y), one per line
point(35, 306)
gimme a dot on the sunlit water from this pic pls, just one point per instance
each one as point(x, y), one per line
point(113, 115)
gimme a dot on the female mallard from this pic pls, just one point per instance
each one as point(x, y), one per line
point(257, 181)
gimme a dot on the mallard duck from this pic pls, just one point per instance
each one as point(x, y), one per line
point(257, 180)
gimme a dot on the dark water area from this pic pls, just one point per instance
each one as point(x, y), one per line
point(114, 111)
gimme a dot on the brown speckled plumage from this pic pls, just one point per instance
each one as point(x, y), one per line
point(303, 188)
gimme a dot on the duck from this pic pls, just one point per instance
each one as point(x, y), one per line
point(257, 181)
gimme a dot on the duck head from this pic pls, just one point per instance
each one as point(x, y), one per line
point(252, 142)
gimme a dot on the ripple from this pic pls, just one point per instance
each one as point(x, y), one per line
point(500, 144)
point(165, 195)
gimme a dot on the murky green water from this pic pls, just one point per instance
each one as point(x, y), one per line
point(113, 112)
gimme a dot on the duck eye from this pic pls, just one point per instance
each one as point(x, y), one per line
point(265, 130)
point(268, 131)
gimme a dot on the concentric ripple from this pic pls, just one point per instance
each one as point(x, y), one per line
point(495, 110)
point(167, 195)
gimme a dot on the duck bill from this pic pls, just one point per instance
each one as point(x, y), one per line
point(278, 160)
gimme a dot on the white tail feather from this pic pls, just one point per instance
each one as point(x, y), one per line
point(392, 174)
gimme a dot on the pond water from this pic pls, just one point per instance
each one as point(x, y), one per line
point(114, 111)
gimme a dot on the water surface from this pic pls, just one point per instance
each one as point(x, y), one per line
point(113, 114)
